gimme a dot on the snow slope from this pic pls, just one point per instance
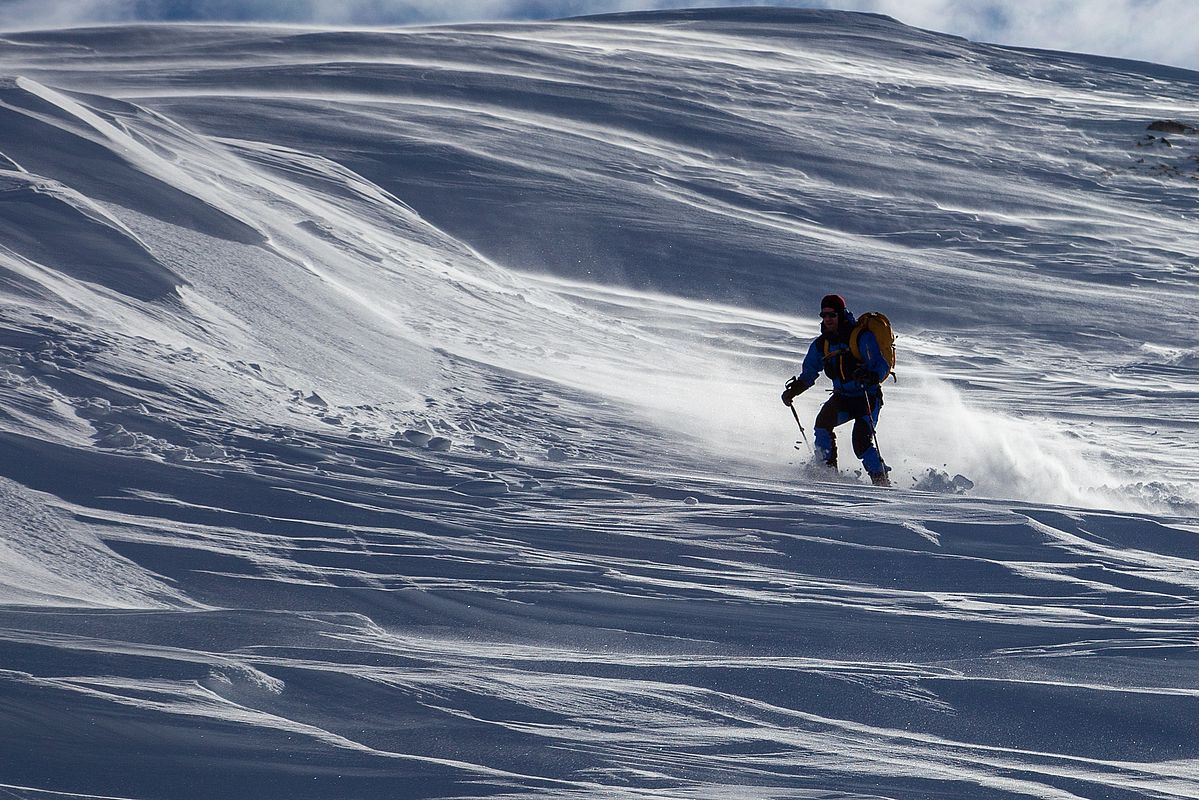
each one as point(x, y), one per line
point(394, 413)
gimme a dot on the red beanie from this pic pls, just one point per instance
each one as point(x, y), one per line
point(834, 301)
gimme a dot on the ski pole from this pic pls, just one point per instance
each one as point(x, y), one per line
point(802, 432)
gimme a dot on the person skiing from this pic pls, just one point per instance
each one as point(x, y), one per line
point(856, 394)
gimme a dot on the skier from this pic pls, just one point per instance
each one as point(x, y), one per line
point(856, 392)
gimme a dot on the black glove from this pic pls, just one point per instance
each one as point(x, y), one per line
point(865, 376)
point(793, 389)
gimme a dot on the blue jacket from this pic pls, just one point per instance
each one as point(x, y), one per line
point(840, 364)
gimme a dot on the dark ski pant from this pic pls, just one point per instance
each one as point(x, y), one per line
point(839, 410)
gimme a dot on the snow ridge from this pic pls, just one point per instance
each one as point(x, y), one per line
point(395, 413)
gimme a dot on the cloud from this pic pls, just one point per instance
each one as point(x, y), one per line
point(1145, 30)
point(1148, 30)
point(29, 14)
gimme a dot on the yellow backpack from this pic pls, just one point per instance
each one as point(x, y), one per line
point(877, 323)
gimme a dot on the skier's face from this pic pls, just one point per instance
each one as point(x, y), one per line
point(829, 320)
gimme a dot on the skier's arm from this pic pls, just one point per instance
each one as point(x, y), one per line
point(812, 364)
point(874, 367)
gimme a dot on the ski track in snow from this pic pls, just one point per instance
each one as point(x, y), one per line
point(394, 414)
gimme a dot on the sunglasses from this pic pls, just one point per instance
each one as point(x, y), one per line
point(828, 314)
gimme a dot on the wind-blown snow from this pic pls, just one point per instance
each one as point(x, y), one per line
point(395, 413)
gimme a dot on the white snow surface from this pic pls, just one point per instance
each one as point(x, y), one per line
point(394, 414)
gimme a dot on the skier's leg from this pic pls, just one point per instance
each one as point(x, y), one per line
point(825, 447)
point(866, 448)
point(825, 440)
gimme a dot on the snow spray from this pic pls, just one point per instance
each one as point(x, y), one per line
point(1003, 453)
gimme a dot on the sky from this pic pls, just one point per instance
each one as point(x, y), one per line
point(1146, 30)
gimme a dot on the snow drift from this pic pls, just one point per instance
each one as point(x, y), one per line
point(395, 413)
